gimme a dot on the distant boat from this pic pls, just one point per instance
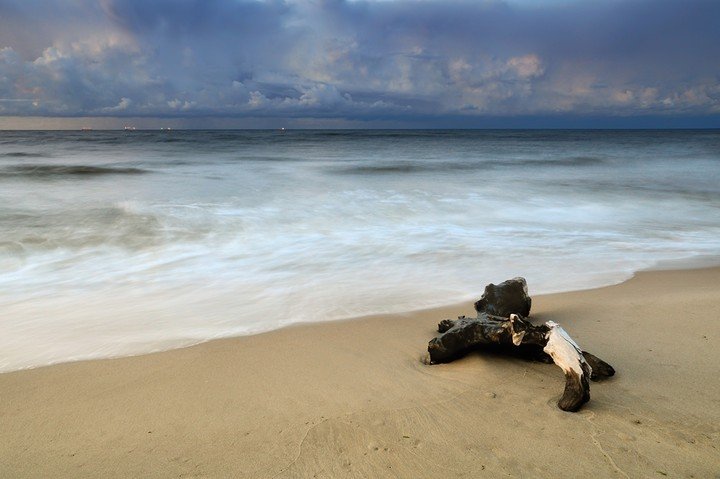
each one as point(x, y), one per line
point(85, 128)
point(165, 128)
point(282, 130)
point(129, 128)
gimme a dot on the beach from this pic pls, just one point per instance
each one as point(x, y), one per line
point(300, 239)
point(355, 399)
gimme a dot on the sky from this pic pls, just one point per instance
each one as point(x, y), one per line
point(359, 64)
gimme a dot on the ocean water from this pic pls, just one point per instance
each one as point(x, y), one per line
point(117, 243)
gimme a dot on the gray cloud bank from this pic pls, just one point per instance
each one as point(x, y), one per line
point(362, 60)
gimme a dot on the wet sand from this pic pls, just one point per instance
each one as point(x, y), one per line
point(353, 399)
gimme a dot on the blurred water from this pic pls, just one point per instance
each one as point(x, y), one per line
point(119, 243)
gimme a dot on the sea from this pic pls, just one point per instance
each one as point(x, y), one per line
point(116, 243)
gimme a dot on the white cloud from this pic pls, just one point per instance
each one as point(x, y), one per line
point(123, 105)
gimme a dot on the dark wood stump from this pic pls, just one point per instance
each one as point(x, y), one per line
point(516, 335)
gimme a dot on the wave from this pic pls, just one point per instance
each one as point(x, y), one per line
point(121, 225)
point(390, 168)
point(440, 166)
point(568, 161)
point(50, 171)
point(128, 225)
point(22, 154)
point(173, 139)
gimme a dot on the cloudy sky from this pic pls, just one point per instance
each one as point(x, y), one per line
point(438, 63)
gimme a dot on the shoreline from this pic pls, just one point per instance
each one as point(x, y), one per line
point(694, 262)
point(351, 398)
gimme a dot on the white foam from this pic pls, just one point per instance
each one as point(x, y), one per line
point(107, 266)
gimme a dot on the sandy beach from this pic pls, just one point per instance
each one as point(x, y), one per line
point(354, 399)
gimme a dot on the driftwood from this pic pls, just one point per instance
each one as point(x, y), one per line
point(501, 325)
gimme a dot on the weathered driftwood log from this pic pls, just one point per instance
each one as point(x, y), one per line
point(516, 335)
point(506, 298)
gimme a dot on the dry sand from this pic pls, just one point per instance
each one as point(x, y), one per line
point(353, 399)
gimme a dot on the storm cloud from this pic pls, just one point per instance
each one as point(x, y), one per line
point(361, 60)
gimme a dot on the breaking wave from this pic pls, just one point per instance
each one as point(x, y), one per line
point(22, 154)
point(484, 164)
point(50, 171)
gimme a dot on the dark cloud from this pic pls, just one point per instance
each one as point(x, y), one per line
point(359, 60)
